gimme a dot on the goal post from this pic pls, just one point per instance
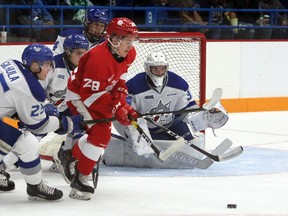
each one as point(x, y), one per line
point(185, 53)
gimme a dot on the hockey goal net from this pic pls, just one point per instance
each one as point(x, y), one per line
point(185, 52)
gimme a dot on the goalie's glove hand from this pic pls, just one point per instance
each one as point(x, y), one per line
point(123, 112)
point(214, 118)
point(72, 124)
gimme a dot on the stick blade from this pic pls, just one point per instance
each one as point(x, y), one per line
point(231, 154)
point(165, 154)
point(220, 149)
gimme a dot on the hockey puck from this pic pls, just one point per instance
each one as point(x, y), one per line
point(232, 206)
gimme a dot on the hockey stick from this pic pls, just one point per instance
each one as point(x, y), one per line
point(95, 173)
point(220, 149)
point(216, 96)
point(170, 150)
point(147, 139)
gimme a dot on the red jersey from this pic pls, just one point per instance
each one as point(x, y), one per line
point(96, 77)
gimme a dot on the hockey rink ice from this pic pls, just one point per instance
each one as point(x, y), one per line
point(257, 180)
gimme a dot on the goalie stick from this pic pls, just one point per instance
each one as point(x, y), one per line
point(166, 153)
point(216, 96)
point(220, 149)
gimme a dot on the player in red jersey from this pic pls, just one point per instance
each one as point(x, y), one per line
point(97, 90)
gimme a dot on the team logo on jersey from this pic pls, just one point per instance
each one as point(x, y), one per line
point(161, 107)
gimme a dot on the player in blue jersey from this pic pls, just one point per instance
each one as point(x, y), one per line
point(95, 25)
point(22, 97)
point(157, 90)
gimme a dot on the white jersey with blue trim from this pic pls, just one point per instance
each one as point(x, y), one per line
point(172, 96)
point(21, 94)
point(55, 84)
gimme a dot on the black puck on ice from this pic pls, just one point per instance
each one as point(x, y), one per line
point(232, 206)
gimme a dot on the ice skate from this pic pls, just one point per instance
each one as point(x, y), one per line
point(43, 192)
point(66, 164)
point(5, 183)
point(80, 188)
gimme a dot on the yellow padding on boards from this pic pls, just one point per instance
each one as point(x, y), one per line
point(12, 122)
point(255, 104)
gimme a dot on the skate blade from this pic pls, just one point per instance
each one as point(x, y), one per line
point(76, 194)
point(36, 198)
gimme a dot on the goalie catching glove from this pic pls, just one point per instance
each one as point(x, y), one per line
point(214, 118)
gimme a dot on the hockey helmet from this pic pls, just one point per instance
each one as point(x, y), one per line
point(97, 15)
point(36, 53)
point(122, 27)
point(156, 59)
point(75, 41)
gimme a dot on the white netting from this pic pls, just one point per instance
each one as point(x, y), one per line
point(184, 54)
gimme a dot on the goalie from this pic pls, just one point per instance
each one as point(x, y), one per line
point(159, 90)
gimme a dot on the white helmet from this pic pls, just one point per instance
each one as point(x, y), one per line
point(156, 59)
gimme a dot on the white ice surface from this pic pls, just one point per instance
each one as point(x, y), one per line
point(257, 181)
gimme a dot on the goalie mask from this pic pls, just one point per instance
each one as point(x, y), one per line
point(156, 67)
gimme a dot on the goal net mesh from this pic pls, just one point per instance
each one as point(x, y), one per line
point(185, 54)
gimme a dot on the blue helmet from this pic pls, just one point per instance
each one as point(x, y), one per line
point(36, 53)
point(98, 15)
point(75, 41)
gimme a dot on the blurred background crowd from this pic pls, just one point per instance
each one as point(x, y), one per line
point(43, 20)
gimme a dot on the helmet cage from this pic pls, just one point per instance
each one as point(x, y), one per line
point(156, 59)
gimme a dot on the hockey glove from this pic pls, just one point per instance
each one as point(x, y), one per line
point(70, 124)
point(51, 110)
point(214, 118)
point(123, 112)
point(120, 93)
